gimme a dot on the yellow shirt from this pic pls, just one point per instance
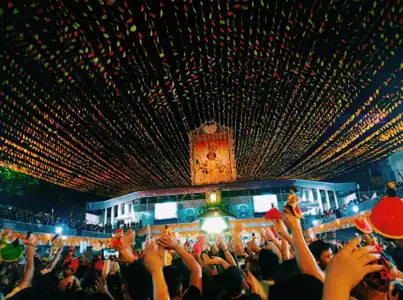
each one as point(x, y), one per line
point(168, 258)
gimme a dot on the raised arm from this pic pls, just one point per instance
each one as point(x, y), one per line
point(199, 259)
point(223, 246)
point(396, 274)
point(193, 266)
point(124, 245)
point(306, 261)
point(272, 243)
point(106, 268)
point(254, 285)
point(285, 239)
point(347, 269)
point(237, 241)
point(154, 263)
point(55, 260)
point(29, 271)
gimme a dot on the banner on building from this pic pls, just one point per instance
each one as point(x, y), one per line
point(212, 157)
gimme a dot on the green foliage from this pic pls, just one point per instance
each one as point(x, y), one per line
point(14, 183)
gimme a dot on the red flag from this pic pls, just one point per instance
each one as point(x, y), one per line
point(273, 214)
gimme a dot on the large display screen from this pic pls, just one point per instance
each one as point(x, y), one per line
point(167, 210)
point(264, 202)
point(91, 219)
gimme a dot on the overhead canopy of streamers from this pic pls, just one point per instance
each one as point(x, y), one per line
point(100, 95)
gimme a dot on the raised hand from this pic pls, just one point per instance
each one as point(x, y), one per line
point(203, 241)
point(221, 242)
point(152, 257)
point(66, 283)
point(280, 227)
point(167, 242)
point(267, 234)
point(214, 260)
point(348, 268)
point(248, 277)
point(123, 241)
point(252, 246)
point(291, 221)
point(101, 286)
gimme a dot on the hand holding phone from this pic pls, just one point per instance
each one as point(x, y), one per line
point(242, 264)
point(109, 253)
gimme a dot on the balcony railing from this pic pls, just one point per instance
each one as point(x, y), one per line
point(348, 211)
point(38, 228)
point(344, 212)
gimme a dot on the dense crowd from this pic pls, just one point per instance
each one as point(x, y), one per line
point(40, 218)
point(279, 265)
point(47, 219)
point(27, 216)
point(340, 212)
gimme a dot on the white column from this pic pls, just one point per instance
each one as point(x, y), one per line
point(112, 215)
point(310, 191)
point(132, 213)
point(119, 209)
point(81, 247)
point(335, 199)
point(319, 200)
point(105, 216)
point(127, 208)
point(327, 200)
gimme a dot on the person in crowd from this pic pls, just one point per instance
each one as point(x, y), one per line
point(278, 264)
point(26, 279)
point(236, 283)
point(322, 252)
point(111, 278)
point(40, 218)
point(194, 291)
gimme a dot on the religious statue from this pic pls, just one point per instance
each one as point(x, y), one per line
point(212, 166)
point(10, 249)
point(168, 255)
point(292, 204)
point(57, 243)
point(167, 231)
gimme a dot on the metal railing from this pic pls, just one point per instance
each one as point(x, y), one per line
point(348, 211)
point(95, 234)
point(18, 226)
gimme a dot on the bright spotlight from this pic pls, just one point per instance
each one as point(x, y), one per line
point(315, 222)
point(214, 225)
point(213, 197)
point(355, 208)
point(59, 230)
